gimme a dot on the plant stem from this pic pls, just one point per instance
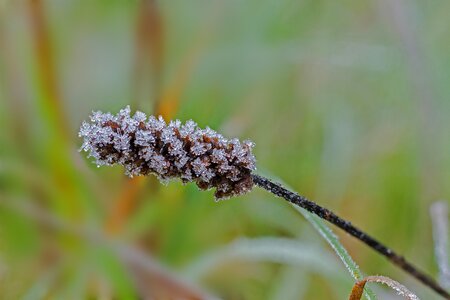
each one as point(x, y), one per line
point(331, 217)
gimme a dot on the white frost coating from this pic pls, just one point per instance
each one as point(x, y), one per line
point(169, 150)
point(188, 128)
point(399, 288)
point(144, 138)
point(199, 148)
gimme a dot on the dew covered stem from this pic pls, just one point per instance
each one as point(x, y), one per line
point(331, 217)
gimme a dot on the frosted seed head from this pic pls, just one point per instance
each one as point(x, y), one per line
point(98, 116)
point(224, 168)
point(85, 129)
point(174, 150)
point(199, 148)
point(146, 154)
point(175, 124)
point(218, 156)
point(198, 166)
point(188, 128)
point(156, 124)
point(207, 175)
point(139, 116)
point(144, 138)
point(159, 164)
point(167, 135)
point(124, 113)
point(187, 175)
point(181, 161)
point(122, 142)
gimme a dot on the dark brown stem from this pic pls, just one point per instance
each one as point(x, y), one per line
point(331, 217)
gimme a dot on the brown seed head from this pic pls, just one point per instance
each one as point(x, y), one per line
point(169, 151)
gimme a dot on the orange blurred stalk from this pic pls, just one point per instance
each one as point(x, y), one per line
point(149, 36)
point(46, 69)
point(149, 53)
point(53, 112)
point(124, 204)
point(357, 290)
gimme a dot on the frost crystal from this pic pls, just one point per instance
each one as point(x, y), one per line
point(172, 150)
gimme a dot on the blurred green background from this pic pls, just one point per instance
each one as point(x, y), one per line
point(347, 102)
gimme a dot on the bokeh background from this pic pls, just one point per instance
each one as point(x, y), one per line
point(347, 102)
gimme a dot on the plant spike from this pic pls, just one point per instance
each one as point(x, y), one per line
point(207, 158)
point(172, 150)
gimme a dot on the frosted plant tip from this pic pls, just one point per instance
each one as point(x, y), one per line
point(170, 150)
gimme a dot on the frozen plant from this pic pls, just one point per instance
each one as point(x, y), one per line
point(172, 150)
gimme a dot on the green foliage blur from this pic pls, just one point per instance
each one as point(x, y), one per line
point(347, 102)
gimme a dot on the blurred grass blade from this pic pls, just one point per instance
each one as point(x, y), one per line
point(124, 205)
point(149, 56)
point(170, 99)
point(41, 288)
point(439, 218)
point(333, 241)
point(46, 71)
point(292, 284)
point(155, 282)
point(149, 59)
point(400, 289)
point(113, 269)
point(112, 259)
point(269, 249)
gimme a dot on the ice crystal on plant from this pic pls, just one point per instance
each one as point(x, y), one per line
point(169, 150)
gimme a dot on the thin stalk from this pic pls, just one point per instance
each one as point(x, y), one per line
point(331, 217)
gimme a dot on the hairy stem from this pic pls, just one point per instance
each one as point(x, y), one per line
point(331, 217)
